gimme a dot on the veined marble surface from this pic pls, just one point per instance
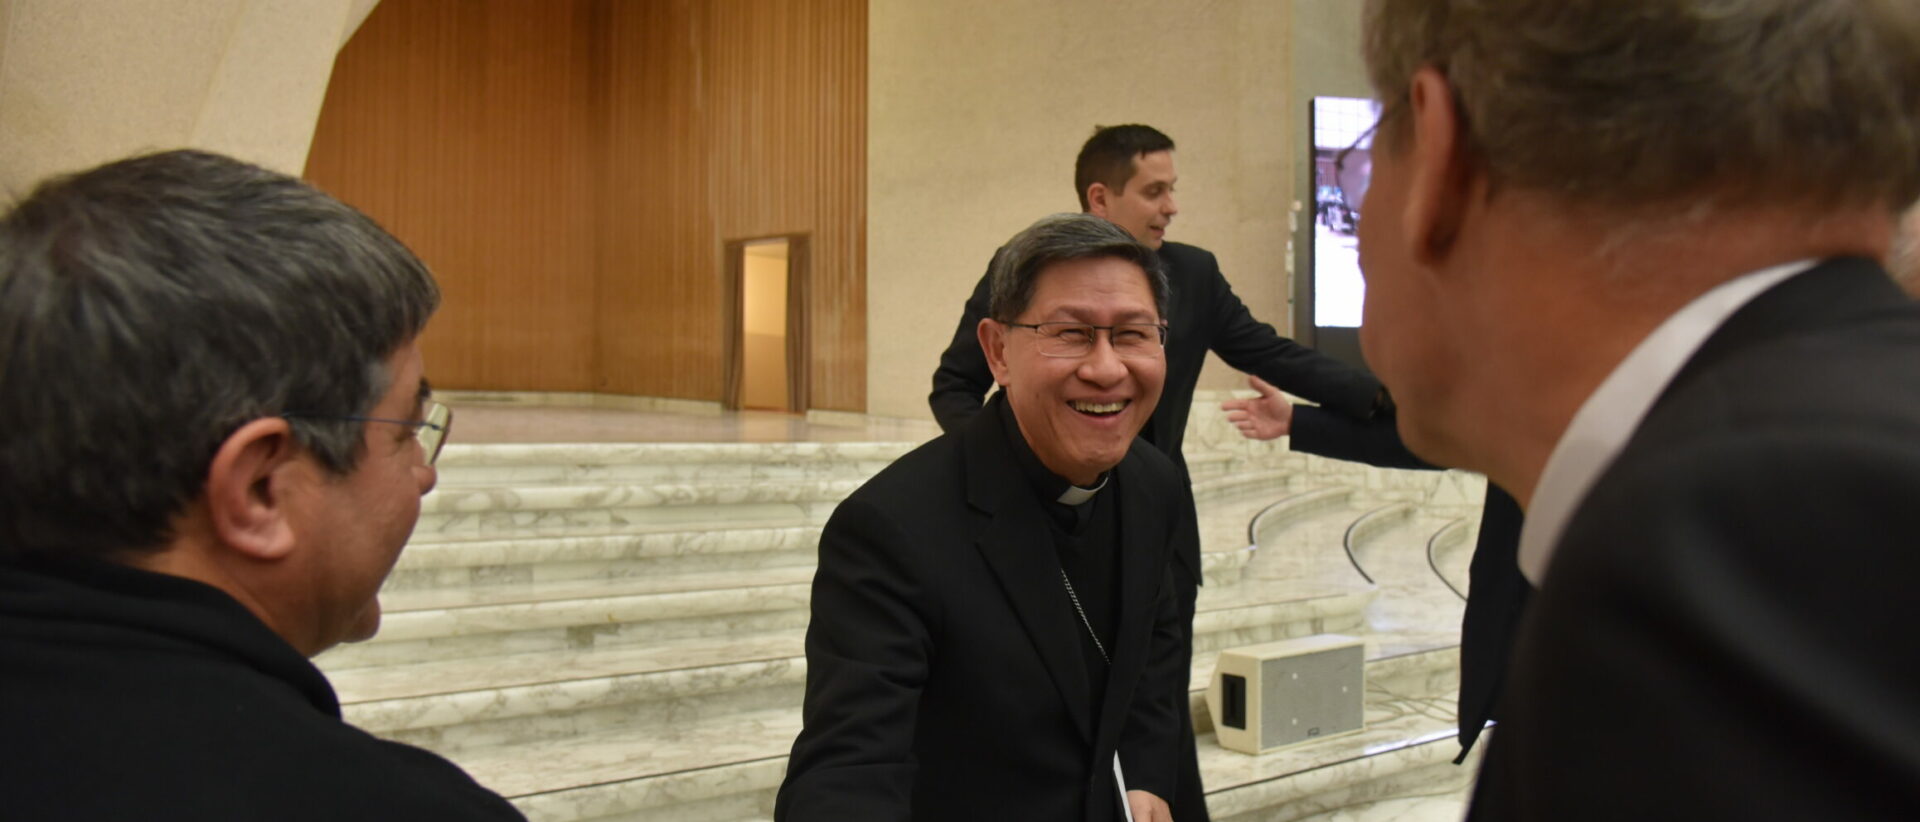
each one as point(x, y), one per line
point(427, 679)
point(523, 524)
point(622, 497)
point(502, 553)
point(525, 419)
point(689, 454)
point(639, 608)
point(399, 602)
point(1449, 805)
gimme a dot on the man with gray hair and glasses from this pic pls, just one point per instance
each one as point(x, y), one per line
point(1623, 257)
point(215, 431)
point(995, 630)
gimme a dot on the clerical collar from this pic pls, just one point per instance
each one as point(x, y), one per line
point(1075, 495)
point(1046, 484)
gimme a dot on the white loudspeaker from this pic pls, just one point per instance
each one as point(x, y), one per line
point(1270, 696)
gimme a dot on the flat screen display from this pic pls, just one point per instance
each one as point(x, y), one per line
point(1342, 162)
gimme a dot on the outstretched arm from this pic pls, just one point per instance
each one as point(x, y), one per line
point(1374, 441)
point(1264, 417)
point(1255, 348)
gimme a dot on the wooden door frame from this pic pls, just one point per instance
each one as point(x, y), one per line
point(799, 326)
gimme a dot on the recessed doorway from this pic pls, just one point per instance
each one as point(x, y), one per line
point(767, 335)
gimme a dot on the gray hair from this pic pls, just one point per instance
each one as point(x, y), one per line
point(1627, 103)
point(1058, 238)
point(150, 307)
point(1904, 262)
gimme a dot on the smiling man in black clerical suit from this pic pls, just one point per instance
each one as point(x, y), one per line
point(995, 633)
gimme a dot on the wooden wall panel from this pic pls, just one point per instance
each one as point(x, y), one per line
point(572, 168)
point(464, 128)
point(729, 120)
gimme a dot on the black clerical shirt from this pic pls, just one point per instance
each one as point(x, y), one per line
point(1086, 538)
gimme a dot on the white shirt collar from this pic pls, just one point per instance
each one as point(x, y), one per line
point(1610, 415)
point(1074, 495)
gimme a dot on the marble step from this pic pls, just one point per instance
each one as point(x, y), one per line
point(577, 510)
point(1445, 802)
point(466, 509)
point(418, 690)
point(695, 769)
point(463, 465)
point(1273, 520)
point(1416, 609)
point(1207, 465)
point(460, 705)
point(1450, 554)
point(613, 556)
point(609, 556)
point(1259, 611)
point(472, 513)
point(1240, 484)
point(575, 615)
point(498, 464)
point(1407, 749)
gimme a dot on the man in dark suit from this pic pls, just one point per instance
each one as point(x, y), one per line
point(1623, 258)
point(994, 631)
point(1126, 174)
point(215, 432)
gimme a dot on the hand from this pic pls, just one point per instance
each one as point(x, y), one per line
point(1148, 808)
point(1261, 418)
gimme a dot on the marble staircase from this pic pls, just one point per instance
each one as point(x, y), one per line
point(614, 631)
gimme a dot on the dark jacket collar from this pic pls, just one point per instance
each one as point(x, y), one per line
point(1834, 292)
point(93, 598)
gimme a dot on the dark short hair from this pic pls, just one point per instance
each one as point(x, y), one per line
point(150, 307)
point(1058, 238)
point(1108, 156)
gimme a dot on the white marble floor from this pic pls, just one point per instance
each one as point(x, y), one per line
point(1412, 809)
point(477, 421)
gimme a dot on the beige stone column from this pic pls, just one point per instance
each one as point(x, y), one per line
point(87, 81)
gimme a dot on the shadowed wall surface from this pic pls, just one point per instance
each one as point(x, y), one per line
point(83, 82)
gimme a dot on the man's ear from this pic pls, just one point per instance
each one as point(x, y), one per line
point(1098, 199)
point(248, 485)
point(993, 343)
point(1440, 173)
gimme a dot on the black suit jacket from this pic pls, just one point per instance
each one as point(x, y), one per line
point(1724, 630)
point(945, 678)
point(127, 694)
